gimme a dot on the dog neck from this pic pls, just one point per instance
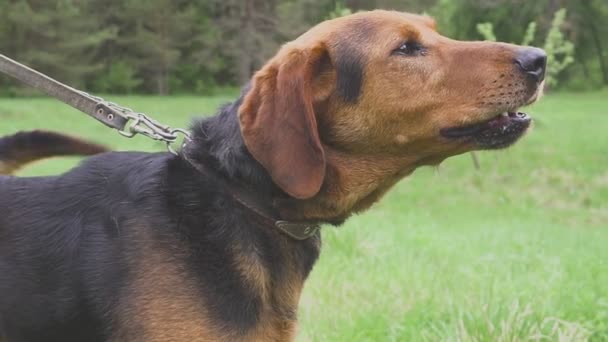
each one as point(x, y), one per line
point(248, 199)
point(218, 144)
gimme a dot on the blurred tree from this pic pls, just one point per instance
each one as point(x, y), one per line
point(204, 64)
point(54, 36)
point(340, 11)
point(588, 26)
point(249, 31)
point(160, 31)
point(297, 16)
point(168, 46)
point(118, 78)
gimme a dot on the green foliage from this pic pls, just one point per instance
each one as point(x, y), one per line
point(339, 11)
point(486, 30)
point(529, 35)
point(560, 51)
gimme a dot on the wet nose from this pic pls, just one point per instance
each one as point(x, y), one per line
point(532, 61)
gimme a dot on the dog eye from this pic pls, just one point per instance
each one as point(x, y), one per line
point(409, 49)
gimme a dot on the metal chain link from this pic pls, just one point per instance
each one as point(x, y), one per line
point(140, 123)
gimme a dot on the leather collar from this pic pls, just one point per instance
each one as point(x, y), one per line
point(246, 198)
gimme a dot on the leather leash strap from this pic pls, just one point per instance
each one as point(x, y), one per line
point(126, 121)
point(75, 98)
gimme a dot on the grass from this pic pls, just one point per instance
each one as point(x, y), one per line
point(516, 251)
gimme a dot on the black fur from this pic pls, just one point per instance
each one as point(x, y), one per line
point(349, 69)
point(68, 244)
point(350, 59)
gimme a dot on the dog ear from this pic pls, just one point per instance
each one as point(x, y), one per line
point(278, 121)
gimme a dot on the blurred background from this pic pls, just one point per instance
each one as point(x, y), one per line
point(516, 250)
point(200, 47)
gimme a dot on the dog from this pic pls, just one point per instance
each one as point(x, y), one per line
point(215, 244)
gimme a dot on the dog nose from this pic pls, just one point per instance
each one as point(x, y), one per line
point(532, 61)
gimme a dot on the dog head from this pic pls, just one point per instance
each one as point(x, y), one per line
point(358, 102)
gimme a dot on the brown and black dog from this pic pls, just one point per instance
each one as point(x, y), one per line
point(157, 247)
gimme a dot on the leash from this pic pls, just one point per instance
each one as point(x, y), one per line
point(130, 123)
point(126, 121)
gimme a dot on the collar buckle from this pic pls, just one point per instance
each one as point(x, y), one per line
point(298, 230)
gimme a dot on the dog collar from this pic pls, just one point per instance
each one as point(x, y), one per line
point(296, 230)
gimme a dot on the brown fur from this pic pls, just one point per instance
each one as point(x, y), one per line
point(162, 303)
point(281, 327)
point(393, 128)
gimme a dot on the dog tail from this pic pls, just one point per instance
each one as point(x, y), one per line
point(25, 147)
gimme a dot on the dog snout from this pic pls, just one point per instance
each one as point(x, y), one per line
point(533, 62)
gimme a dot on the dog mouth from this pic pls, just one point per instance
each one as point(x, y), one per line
point(499, 132)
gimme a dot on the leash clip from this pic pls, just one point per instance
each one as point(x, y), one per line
point(125, 120)
point(140, 123)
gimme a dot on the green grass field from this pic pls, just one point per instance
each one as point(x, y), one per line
point(516, 251)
